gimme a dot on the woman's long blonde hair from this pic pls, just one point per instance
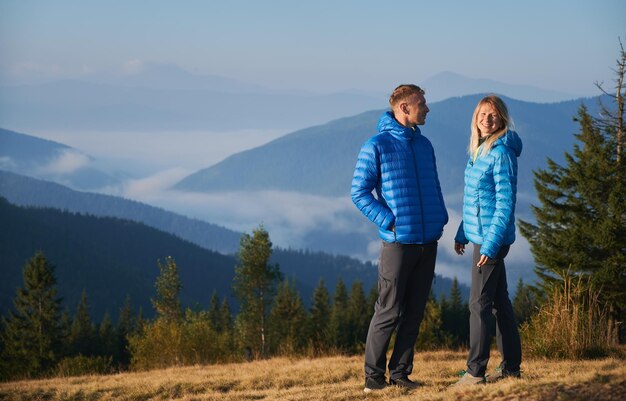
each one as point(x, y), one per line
point(503, 113)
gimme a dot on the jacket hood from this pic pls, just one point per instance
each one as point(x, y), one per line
point(389, 124)
point(512, 141)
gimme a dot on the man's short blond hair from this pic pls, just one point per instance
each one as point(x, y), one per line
point(403, 92)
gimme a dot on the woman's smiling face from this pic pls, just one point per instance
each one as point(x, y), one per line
point(488, 120)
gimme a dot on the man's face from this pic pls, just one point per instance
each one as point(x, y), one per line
point(416, 109)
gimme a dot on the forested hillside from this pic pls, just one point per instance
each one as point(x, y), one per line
point(111, 258)
point(27, 191)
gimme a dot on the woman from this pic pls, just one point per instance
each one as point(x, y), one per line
point(489, 224)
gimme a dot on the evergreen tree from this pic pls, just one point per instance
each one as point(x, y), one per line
point(287, 320)
point(358, 315)
point(430, 335)
point(455, 316)
point(254, 285)
point(83, 334)
point(107, 339)
point(318, 319)
point(214, 311)
point(125, 327)
point(524, 303)
point(31, 334)
point(168, 286)
point(339, 327)
point(225, 317)
point(372, 298)
point(581, 223)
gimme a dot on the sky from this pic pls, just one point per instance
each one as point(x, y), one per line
point(321, 46)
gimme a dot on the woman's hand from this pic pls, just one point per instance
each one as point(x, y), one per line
point(483, 259)
point(459, 248)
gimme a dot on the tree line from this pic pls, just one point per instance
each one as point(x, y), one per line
point(38, 339)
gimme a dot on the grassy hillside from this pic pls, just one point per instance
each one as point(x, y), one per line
point(332, 378)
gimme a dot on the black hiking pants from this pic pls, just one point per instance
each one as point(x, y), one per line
point(405, 275)
point(489, 296)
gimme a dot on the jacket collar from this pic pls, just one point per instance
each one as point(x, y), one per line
point(388, 124)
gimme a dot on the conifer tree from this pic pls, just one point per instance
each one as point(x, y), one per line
point(524, 302)
point(83, 333)
point(358, 315)
point(125, 327)
point(31, 334)
point(225, 317)
point(430, 336)
point(287, 320)
point(318, 319)
point(339, 327)
point(255, 285)
point(455, 315)
point(107, 339)
point(168, 286)
point(581, 220)
point(214, 311)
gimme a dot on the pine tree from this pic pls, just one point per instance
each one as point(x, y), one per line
point(455, 316)
point(318, 319)
point(581, 223)
point(168, 286)
point(255, 285)
point(339, 328)
point(430, 335)
point(83, 333)
point(107, 339)
point(225, 317)
point(214, 311)
point(358, 315)
point(31, 335)
point(524, 303)
point(125, 327)
point(287, 320)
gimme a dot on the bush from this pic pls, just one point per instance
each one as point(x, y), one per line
point(570, 324)
point(188, 341)
point(84, 365)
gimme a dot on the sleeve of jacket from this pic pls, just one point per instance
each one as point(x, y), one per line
point(505, 179)
point(460, 235)
point(366, 177)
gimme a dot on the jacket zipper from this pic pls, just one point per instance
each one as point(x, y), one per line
point(419, 188)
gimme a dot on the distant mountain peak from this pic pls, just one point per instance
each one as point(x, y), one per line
point(448, 84)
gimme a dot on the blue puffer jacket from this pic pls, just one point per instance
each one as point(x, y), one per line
point(399, 163)
point(489, 196)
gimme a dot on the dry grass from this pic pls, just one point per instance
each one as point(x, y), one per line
point(332, 378)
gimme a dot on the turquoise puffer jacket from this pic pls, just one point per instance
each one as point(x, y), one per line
point(399, 163)
point(489, 196)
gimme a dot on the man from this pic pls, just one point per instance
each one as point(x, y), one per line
point(399, 164)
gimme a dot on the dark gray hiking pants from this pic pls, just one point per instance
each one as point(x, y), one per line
point(489, 296)
point(405, 275)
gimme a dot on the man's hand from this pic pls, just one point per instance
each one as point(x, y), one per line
point(483, 259)
point(459, 248)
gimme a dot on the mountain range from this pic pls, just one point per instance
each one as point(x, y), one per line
point(26, 191)
point(320, 160)
point(37, 157)
point(164, 97)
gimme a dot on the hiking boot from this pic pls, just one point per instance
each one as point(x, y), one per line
point(374, 383)
point(503, 373)
point(405, 382)
point(469, 380)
